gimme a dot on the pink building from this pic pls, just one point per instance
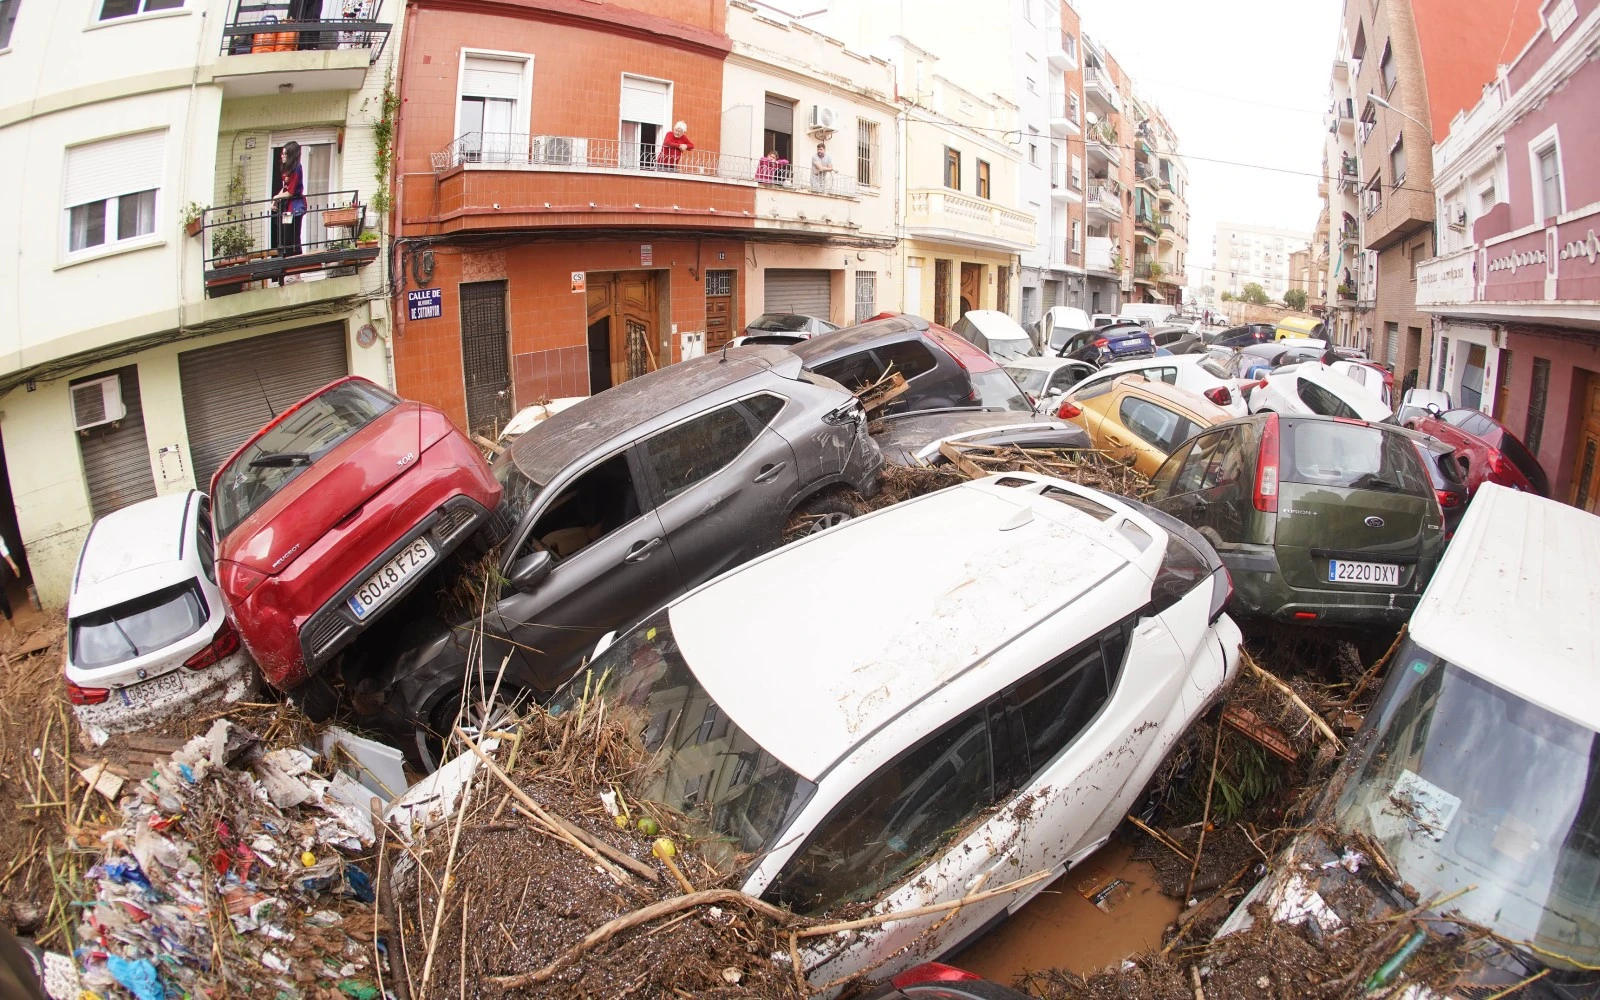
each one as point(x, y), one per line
point(1515, 288)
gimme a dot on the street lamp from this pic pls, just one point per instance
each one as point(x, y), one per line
point(1380, 102)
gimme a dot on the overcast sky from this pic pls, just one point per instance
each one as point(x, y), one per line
point(1244, 81)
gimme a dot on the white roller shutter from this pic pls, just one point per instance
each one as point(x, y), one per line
point(100, 170)
point(793, 291)
point(485, 77)
point(644, 101)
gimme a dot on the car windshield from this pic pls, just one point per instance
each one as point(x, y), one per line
point(1010, 348)
point(780, 321)
point(995, 389)
point(732, 792)
point(138, 627)
point(289, 447)
point(1463, 783)
point(517, 491)
point(1343, 455)
point(1030, 379)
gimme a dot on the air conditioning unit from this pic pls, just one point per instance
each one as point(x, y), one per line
point(552, 150)
point(97, 403)
point(823, 119)
point(1455, 214)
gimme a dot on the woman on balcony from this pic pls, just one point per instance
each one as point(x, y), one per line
point(289, 204)
point(674, 146)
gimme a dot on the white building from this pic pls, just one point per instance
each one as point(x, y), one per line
point(135, 357)
point(1255, 254)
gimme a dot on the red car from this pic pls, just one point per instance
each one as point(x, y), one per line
point(334, 510)
point(1490, 451)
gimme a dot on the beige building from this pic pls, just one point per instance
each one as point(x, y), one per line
point(1256, 255)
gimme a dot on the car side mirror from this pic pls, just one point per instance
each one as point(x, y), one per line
point(531, 570)
point(1053, 391)
point(1433, 410)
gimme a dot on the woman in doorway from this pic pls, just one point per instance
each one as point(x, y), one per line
point(289, 204)
point(674, 146)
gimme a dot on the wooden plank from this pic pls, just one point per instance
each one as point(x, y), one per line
point(968, 468)
point(1269, 737)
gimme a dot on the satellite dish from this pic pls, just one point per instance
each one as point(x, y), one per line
point(1091, 118)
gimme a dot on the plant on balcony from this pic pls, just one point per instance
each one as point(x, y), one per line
point(1105, 132)
point(194, 218)
point(1157, 270)
point(368, 238)
point(230, 243)
point(1116, 262)
point(383, 145)
point(1347, 292)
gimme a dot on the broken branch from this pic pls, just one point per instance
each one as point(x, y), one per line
point(1160, 838)
point(923, 911)
point(1288, 692)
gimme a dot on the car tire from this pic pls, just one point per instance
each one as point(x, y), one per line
point(316, 698)
point(821, 512)
point(432, 736)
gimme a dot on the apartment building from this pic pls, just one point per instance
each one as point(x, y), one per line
point(1066, 284)
point(1513, 288)
point(161, 310)
point(1403, 70)
point(1258, 255)
point(1160, 208)
point(1108, 199)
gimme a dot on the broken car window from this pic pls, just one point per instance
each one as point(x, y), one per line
point(598, 503)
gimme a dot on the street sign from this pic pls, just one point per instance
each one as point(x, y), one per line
point(580, 281)
point(425, 303)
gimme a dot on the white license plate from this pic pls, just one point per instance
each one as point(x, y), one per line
point(1383, 574)
point(410, 561)
point(149, 692)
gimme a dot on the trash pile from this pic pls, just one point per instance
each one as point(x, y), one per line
point(230, 869)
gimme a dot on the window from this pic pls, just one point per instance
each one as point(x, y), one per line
point(205, 544)
point(1397, 162)
point(1033, 86)
point(1351, 456)
point(778, 134)
point(1373, 196)
point(8, 17)
point(111, 9)
point(486, 117)
point(952, 168)
point(866, 295)
point(599, 502)
point(1077, 235)
point(983, 179)
point(138, 627)
point(866, 153)
point(1549, 182)
point(1033, 153)
point(1358, 51)
point(853, 370)
point(908, 357)
point(684, 455)
point(1055, 705)
point(1537, 396)
point(1486, 198)
point(1386, 65)
point(1156, 425)
point(894, 822)
point(1444, 354)
point(643, 120)
point(1560, 18)
point(1320, 400)
point(111, 190)
point(1077, 172)
point(764, 407)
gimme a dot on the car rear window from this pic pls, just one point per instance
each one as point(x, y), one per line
point(1215, 370)
point(780, 321)
point(138, 627)
point(1030, 379)
point(1525, 463)
point(294, 444)
point(908, 357)
point(1351, 456)
point(780, 339)
point(996, 389)
point(1320, 400)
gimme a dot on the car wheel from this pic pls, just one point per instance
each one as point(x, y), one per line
point(822, 512)
point(432, 736)
point(316, 698)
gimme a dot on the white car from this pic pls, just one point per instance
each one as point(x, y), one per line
point(1198, 373)
point(1365, 376)
point(148, 636)
point(1057, 326)
point(1315, 388)
point(994, 333)
point(959, 724)
point(1045, 379)
point(1416, 402)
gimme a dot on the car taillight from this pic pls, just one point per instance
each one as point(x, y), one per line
point(1220, 395)
point(932, 972)
point(1221, 592)
point(1267, 467)
point(224, 645)
point(1068, 409)
point(86, 696)
point(1446, 498)
point(1503, 472)
point(1101, 342)
point(238, 581)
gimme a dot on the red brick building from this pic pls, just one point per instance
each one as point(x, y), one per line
point(547, 245)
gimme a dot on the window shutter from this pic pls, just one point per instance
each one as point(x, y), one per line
point(485, 77)
point(780, 116)
point(644, 101)
point(100, 170)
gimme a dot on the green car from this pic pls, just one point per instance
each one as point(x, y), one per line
point(1318, 519)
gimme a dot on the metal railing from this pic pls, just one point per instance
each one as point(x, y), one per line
point(518, 151)
point(1107, 196)
point(266, 27)
point(251, 240)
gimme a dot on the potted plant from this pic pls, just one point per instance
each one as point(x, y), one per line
point(229, 244)
point(341, 218)
point(1156, 270)
point(194, 218)
point(368, 238)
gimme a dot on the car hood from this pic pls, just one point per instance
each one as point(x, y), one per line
point(901, 437)
point(334, 488)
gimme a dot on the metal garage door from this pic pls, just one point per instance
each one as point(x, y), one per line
point(231, 390)
point(804, 292)
point(116, 456)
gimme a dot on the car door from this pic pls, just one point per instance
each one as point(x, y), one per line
point(612, 566)
point(722, 481)
point(1211, 485)
point(1147, 431)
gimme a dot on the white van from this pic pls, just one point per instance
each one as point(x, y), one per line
point(1057, 326)
point(1148, 314)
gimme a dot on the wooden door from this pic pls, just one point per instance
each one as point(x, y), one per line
point(719, 308)
point(971, 285)
point(635, 338)
point(1586, 472)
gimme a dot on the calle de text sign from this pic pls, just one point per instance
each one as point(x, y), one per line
point(425, 303)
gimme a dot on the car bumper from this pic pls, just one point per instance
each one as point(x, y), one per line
point(1260, 591)
point(176, 693)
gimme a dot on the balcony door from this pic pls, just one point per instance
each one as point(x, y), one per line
point(491, 117)
point(319, 168)
point(645, 110)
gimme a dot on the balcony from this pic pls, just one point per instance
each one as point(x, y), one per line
point(940, 213)
point(1061, 49)
point(1100, 145)
point(500, 180)
point(1344, 113)
point(1099, 256)
point(262, 50)
point(247, 245)
point(1098, 88)
point(1341, 70)
point(1148, 272)
point(1064, 115)
point(1146, 225)
point(1061, 186)
point(1105, 199)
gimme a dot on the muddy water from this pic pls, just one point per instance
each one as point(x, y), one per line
point(1061, 928)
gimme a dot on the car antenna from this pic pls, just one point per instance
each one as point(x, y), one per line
point(724, 353)
point(264, 397)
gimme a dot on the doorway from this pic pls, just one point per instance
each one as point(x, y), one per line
point(318, 167)
point(485, 356)
point(16, 588)
point(719, 308)
point(624, 326)
point(1586, 471)
point(971, 284)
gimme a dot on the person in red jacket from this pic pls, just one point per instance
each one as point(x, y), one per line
point(673, 146)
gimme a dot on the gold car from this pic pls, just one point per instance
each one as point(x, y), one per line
point(1135, 418)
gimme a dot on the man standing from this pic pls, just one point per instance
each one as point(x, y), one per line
point(822, 170)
